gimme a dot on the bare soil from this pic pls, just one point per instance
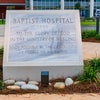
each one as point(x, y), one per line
point(91, 40)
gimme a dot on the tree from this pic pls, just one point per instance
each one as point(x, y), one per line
point(78, 6)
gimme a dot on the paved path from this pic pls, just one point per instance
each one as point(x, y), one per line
point(89, 28)
point(91, 50)
point(51, 97)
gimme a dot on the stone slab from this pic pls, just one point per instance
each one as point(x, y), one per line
point(34, 73)
point(42, 41)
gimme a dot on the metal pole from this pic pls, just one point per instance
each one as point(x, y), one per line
point(91, 8)
point(97, 25)
point(62, 4)
point(31, 4)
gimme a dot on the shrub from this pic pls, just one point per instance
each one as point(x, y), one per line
point(95, 63)
point(89, 74)
point(90, 71)
point(88, 34)
point(1, 51)
point(97, 36)
point(78, 6)
point(1, 85)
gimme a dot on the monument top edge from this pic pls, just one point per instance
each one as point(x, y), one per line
point(42, 11)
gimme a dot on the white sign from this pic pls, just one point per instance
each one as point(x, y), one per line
point(42, 38)
point(97, 13)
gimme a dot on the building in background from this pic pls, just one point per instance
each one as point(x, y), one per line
point(87, 7)
point(10, 5)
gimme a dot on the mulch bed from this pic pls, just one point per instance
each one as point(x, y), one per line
point(91, 40)
point(84, 87)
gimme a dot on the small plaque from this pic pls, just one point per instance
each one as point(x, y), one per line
point(44, 78)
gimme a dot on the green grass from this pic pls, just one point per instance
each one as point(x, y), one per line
point(1, 22)
point(88, 23)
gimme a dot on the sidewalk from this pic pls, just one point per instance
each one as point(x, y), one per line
point(51, 97)
point(91, 50)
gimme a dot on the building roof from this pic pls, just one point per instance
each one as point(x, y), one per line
point(12, 1)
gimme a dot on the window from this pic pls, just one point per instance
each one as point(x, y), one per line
point(27, 4)
point(10, 7)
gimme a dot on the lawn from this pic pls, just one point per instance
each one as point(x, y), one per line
point(2, 22)
point(88, 23)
